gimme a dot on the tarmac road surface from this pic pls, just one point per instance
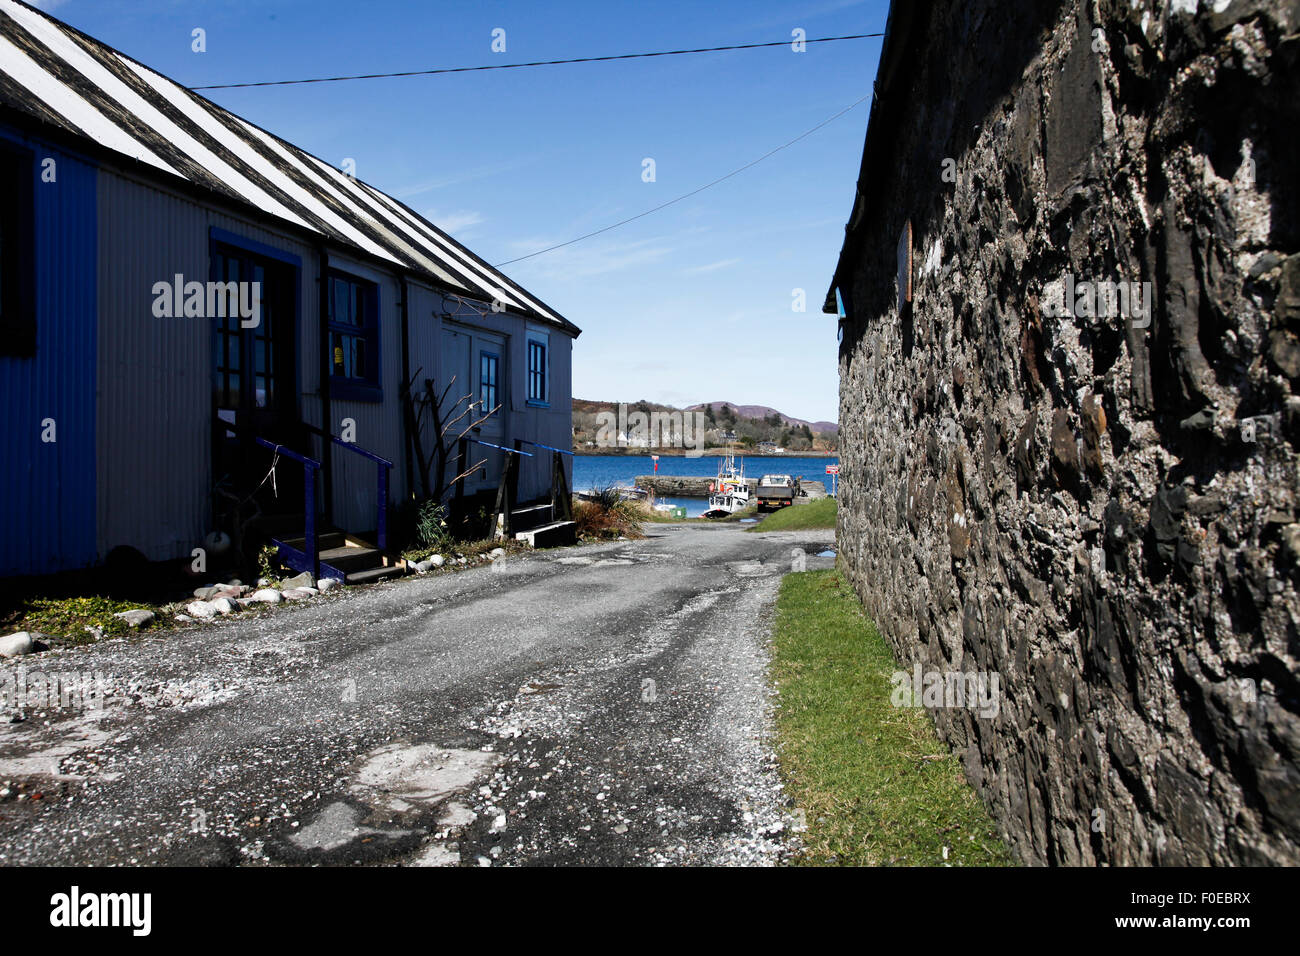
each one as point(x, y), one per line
point(605, 704)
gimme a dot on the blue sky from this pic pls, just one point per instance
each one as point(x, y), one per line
point(690, 304)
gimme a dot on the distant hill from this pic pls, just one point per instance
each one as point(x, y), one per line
point(763, 411)
point(746, 425)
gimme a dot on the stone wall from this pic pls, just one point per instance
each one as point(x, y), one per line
point(1100, 510)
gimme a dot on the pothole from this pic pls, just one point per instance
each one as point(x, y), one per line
point(400, 777)
point(338, 825)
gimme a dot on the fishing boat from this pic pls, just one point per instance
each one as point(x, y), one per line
point(730, 491)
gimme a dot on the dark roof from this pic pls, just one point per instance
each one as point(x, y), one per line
point(903, 15)
point(67, 80)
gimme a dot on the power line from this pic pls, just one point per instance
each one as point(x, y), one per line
point(517, 66)
point(806, 133)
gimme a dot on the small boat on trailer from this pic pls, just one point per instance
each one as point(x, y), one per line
point(624, 494)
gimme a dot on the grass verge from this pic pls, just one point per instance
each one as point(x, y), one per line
point(818, 513)
point(874, 782)
point(68, 618)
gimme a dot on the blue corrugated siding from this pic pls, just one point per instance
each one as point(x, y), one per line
point(47, 503)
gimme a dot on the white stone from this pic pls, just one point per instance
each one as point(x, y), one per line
point(16, 645)
point(201, 610)
point(267, 596)
point(298, 594)
point(423, 566)
point(437, 560)
point(224, 605)
point(327, 584)
point(137, 617)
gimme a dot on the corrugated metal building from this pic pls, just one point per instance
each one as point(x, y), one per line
point(122, 189)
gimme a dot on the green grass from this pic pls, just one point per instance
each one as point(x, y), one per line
point(875, 784)
point(818, 513)
point(68, 618)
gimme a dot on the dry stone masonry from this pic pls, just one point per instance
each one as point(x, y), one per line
point(1042, 481)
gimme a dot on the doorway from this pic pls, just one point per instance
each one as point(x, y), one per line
point(254, 386)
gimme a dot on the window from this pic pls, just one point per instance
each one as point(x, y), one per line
point(253, 367)
point(538, 371)
point(354, 338)
point(17, 259)
point(489, 372)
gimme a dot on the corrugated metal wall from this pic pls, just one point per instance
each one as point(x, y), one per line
point(155, 396)
point(47, 504)
point(552, 426)
point(378, 424)
point(153, 421)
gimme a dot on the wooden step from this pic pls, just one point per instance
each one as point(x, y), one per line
point(344, 556)
point(375, 574)
point(324, 541)
point(550, 535)
point(353, 559)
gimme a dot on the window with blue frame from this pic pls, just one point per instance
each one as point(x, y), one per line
point(537, 371)
point(354, 338)
point(489, 378)
point(17, 262)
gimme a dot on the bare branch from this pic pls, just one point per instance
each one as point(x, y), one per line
point(468, 408)
point(464, 474)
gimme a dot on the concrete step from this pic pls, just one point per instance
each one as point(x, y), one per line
point(550, 535)
point(532, 516)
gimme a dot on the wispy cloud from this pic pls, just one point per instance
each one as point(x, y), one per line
point(711, 267)
point(454, 222)
point(463, 176)
point(584, 260)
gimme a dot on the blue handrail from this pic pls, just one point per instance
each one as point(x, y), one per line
point(353, 446)
point(513, 451)
point(381, 529)
point(529, 441)
point(309, 468)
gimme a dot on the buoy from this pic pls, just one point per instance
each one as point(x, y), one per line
point(218, 542)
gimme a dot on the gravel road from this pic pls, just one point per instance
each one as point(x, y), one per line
point(605, 704)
